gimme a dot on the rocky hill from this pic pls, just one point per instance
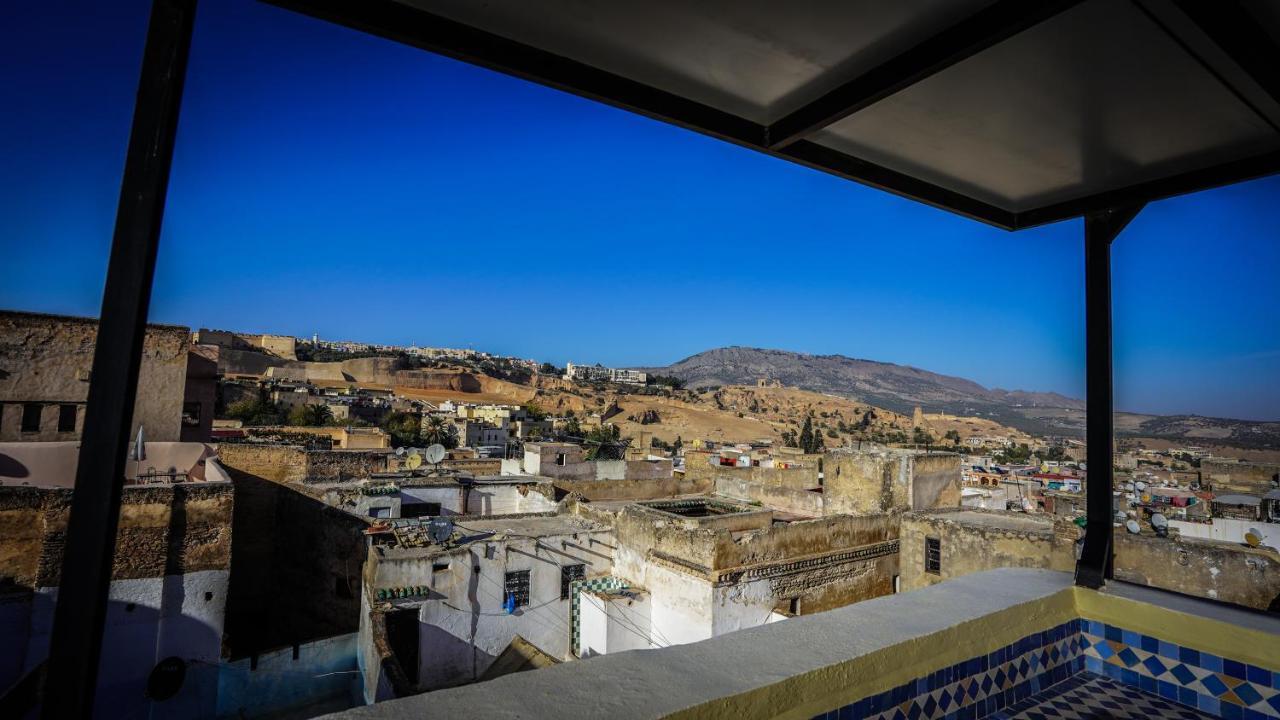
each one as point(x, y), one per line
point(897, 387)
point(901, 388)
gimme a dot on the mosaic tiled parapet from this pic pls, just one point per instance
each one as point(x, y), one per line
point(1216, 685)
point(980, 686)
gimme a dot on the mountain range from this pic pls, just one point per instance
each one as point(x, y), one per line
point(902, 388)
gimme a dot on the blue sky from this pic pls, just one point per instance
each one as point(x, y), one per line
point(330, 182)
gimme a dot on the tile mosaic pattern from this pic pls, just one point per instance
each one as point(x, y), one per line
point(979, 686)
point(1219, 686)
point(1086, 696)
point(607, 582)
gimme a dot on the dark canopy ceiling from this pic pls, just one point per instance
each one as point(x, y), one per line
point(1014, 112)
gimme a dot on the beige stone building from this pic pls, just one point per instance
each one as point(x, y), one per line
point(45, 363)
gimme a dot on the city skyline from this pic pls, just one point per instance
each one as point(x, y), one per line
point(330, 182)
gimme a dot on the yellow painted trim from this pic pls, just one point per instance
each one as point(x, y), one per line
point(1200, 633)
point(802, 696)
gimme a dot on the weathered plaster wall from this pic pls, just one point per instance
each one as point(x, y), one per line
point(508, 499)
point(296, 561)
point(1226, 476)
point(781, 543)
point(804, 502)
point(634, 489)
point(168, 592)
point(1201, 568)
point(697, 465)
point(613, 623)
point(47, 359)
point(968, 548)
point(880, 481)
point(459, 640)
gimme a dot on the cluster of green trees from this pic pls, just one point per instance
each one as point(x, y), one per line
point(808, 440)
point(673, 447)
point(670, 381)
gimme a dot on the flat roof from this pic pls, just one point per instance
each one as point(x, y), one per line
point(1010, 112)
point(1003, 520)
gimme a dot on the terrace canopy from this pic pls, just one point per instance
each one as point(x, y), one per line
point(1015, 113)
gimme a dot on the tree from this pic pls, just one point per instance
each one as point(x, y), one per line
point(437, 430)
point(571, 428)
point(954, 436)
point(535, 411)
point(404, 428)
point(920, 436)
point(313, 415)
point(806, 434)
point(604, 442)
point(255, 412)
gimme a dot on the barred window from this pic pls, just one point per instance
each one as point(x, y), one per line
point(517, 588)
point(569, 573)
point(933, 556)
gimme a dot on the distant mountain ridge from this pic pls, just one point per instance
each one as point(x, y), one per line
point(896, 387)
point(901, 388)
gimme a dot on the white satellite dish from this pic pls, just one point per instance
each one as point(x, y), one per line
point(435, 454)
point(1132, 526)
point(1253, 538)
point(1128, 486)
point(399, 452)
point(1140, 486)
point(414, 461)
point(1159, 521)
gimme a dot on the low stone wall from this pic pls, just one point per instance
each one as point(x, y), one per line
point(1201, 568)
point(163, 530)
point(804, 502)
point(634, 489)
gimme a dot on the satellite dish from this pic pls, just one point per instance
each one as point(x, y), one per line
point(1161, 524)
point(1253, 538)
point(435, 454)
point(414, 461)
point(399, 452)
point(1140, 485)
point(1128, 486)
point(1132, 526)
point(440, 530)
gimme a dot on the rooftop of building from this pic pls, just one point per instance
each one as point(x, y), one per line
point(997, 519)
point(53, 464)
point(409, 538)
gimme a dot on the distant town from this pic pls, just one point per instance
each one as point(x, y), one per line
point(378, 521)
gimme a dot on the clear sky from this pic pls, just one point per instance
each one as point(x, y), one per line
point(326, 181)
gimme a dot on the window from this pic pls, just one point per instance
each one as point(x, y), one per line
point(517, 588)
point(933, 556)
point(31, 417)
point(569, 573)
point(66, 418)
point(560, 458)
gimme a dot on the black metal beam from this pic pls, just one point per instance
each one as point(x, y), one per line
point(1237, 34)
point(1094, 566)
point(1249, 168)
point(821, 157)
point(89, 550)
point(988, 27)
